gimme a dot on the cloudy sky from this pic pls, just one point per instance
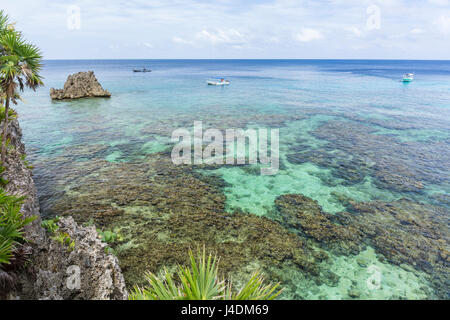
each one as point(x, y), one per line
point(228, 29)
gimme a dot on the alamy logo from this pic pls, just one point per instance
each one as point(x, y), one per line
point(240, 145)
point(74, 278)
point(374, 19)
point(374, 281)
point(73, 17)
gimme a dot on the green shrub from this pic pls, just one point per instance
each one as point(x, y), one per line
point(110, 236)
point(26, 163)
point(64, 239)
point(12, 114)
point(201, 282)
point(51, 225)
point(12, 223)
point(13, 250)
point(3, 181)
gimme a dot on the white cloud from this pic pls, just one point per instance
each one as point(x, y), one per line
point(307, 35)
point(356, 31)
point(230, 36)
point(242, 29)
point(417, 31)
point(146, 44)
point(443, 24)
point(440, 2)
point(181, 41)
point(272, 40)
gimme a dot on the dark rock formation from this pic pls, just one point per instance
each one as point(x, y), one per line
point(46, 277)
point(80, 85)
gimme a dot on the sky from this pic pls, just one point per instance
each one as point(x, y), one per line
point(235, 29)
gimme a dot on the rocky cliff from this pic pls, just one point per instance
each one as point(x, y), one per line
point(56, 271)
point(80, 85)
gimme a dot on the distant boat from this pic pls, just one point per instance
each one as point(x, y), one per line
point(142, 70)
point(408, 77)
point(218, 82)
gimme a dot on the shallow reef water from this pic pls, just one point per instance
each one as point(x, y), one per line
point(359, 208)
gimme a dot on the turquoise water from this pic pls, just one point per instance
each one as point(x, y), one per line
point(350, 131)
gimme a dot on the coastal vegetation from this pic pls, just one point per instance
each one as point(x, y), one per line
point(51, 225)
point(14, 251)
point(21, 63)
point(201, 282)
point(20, 67)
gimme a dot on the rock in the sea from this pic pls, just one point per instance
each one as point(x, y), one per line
point(80, 85)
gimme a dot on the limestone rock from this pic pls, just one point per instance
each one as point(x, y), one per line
point(60, 268)
point(80, 85)
point(47, 274)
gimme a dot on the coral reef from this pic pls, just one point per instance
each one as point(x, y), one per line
point(408, 232)
point(403, 231)
point(80, 85)
point(355, 151)
point(305, 216)
point(161, 209)
point(159, 220)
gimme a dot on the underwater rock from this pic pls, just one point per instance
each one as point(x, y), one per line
point(408, 232)
point(396, 165)
point(80, 85)
point(351, 169)
point(305, 215)
point(353, 293)
point(403, 231)
point(164, 210)
point(441, 199)
point(402, 122)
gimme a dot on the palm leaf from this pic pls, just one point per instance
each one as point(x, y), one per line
point(200, 281)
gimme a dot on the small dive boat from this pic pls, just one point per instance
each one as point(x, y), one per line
point(408, 77)
point(142, 70)
point(218, 82)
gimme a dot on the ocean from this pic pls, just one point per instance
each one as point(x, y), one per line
point(358, 209)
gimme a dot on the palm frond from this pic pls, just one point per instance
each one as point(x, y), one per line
point(200, 281)
point(21, 62)
point(3, 21)
point(255, 289)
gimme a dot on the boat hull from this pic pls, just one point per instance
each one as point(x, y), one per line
point(212, 83)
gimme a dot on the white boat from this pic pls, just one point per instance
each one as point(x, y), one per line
point(408, 77)
point(142, 70)
point(218, 82)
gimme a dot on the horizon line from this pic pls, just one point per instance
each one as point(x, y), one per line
point(231, 59)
